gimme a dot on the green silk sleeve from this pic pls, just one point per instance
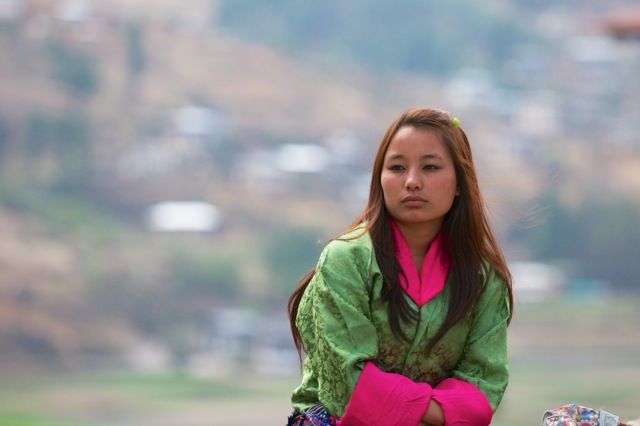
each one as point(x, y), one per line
point(484, 361)
point(335, 322)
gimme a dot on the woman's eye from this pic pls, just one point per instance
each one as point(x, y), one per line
point(430, 167)
point(396, 167)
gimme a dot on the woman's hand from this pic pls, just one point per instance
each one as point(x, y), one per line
point(433, 416)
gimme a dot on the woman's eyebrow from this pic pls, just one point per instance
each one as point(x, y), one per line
point(430, 156)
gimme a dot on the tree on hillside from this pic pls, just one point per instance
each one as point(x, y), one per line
point(74, 69)
point(64, 140)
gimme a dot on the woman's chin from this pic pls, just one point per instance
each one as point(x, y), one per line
point(416, 218)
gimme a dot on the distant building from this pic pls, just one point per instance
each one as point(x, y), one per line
point(241, 338)
point(535, 281)
point(11, 10)
point(157, 157)
point(199, 122)
point(73, 11)
point(182, 216)
point(296, 158)
point(470, 87)
point(273, 169)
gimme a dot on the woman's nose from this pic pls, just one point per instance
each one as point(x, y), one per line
point(413, 181)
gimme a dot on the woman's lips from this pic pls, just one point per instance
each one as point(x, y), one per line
point(413, 200)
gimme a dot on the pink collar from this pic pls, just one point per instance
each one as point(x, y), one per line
point(435, 267)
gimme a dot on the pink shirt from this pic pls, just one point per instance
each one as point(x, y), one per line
point(435, 267)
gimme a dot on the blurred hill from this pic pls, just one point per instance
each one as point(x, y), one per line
point(410, 35)
point(108, 108)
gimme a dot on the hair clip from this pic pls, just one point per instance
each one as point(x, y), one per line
point(454, 120)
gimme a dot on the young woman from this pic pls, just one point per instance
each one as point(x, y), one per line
point(404, 317)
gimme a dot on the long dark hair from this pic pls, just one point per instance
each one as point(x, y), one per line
point(472, 243)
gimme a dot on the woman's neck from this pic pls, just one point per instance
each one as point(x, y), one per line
point(419, 238)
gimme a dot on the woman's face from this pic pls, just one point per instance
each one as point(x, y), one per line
point(418, 177)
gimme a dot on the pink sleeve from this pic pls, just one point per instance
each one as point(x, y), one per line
point(462, 403)
point(385, 399)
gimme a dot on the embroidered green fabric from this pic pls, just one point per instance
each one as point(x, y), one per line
point(344, 323)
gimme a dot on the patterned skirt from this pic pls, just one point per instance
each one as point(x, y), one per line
point(577, 415)
point(316, 415)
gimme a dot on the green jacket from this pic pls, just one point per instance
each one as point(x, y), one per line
point(343, 323)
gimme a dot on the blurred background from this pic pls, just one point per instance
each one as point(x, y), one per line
point(169, 169)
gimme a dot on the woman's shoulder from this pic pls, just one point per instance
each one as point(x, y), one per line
point(353, 245)
point(351, 241)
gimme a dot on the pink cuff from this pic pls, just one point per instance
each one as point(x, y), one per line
point(462, 403)
point(385, 399)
